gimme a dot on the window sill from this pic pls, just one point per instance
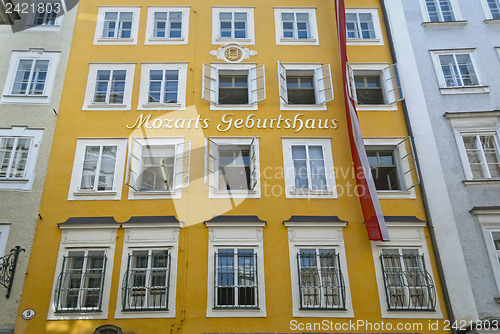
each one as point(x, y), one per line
point(227, 40)
point(404, 314)
point(157, 105)
point(295, 40)
point(94, 193)
point(146, 195)
point(303, 107)
point(25, 96)
point(76, 315)
point(106, 106)
point(310, 194)
point(115, 40)
point(235, 313)
point(234, 106)
point(377, 107)
point(14, 180)
point(395, 194)
point(445, 23)
point(234, 193)
point(144, 314)
point(482, 182)
point(364, 41)
point(492, 21)
point(165, 39)
point(464, 90)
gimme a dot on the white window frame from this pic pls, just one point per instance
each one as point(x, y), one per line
point(86, 237)
point(88, 103)
point(481, 88)
point(322, 84)
point(143, 103)
point(454, 7)
point(317, 235)
point(100, 40)
point(490, 222)
point(4, 237)
point(56, 27)
point(404, 235)
point(212, 179)
point(236, 235)
point(378, 40)
point(151, 40)
point(32, 54)
point(26, 183)
point(178, 143)
point(76, 176)
point(211, 85)
point(290, 190)
point(313, 25)
point(217, 40)
point(487, 11)
point(150, 236)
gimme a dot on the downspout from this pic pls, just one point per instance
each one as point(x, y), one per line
point(422, 187)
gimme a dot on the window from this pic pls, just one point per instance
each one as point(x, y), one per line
point(31, 77)
point(109, 87)
point(163, 86)
point(296, 26)
point(233, 25)
point(374, 87)
point(98, 169)
point(167, 25)
point(4, 236)
point(47, 16)
point(489, 218)
point(18, 155)
point(237, 87)
point(117, 25)
point(304, 87)
point(384, 169)
point(83, 273)
point(232, 167)
point(363, 26)
point(483, 154)
point(309, 168)
point(236, 272)
point(439, 10)
point(158, 167)
point(491, 9)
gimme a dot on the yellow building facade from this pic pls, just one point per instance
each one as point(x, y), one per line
point(201, 178)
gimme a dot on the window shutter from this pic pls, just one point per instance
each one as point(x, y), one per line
point(257, 84)
point(351, 84)
point(254, 173)
point(390, 77)
point(134, 164)
point(408, 163)
point(210, 83)
point(324, 86)
point(282, 82)
point(84, 148)
point(182, 165)
point(211, 157)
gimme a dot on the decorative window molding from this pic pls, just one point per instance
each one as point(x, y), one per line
point(296, 26)
point(440, 10)
point(315, 234)
point(47, 17)
point(158, 167)
point(408, 236)
point(109, 87)
point(233, 24)
point(491, 9)
point(167, 25)
point(4, 237)
point(304, 86)
point(363, 26)
point(233, 86)
point(90, 246)
point(243, 240)
point(163, 86)
point(104, 157)
point(145, 293)
point(31, 76)
point(117, 25)
point(19, 148)
point(232, 167)
point(309, 170)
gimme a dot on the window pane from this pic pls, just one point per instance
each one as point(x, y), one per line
point(6, 148)
point(101, 88)
point(466, 69)
point(125, 25)
point(107, 170)
point(20, 158)
point(110, 19)
point(117, 87)
point(22, 77)
point(494, 6)
point(38, 77)
point(90, 167)
point(158, 168)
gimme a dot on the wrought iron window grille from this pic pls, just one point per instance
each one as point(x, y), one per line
point(408, 285)
point(146, 283)
point(8, 268)
point(321, 283)
point(235, 279)
point(81, 282)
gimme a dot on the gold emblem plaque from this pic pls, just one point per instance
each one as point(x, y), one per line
point(233, 54)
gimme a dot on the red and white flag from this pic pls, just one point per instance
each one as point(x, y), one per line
point(372, 212)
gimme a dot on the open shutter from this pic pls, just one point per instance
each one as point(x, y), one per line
point(351, 84)
point(211, 157)
point(134, 164)
point(257, 84)
point(254, 173)
point(182, 165)
point(324, 86)
point(408, 163)
point(282, 82)
point(210, 84)
point(392, 84)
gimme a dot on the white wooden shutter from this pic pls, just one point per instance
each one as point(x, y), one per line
point(324, 86)
point(211, 163)
point(182, 165)
point(392, 84)
point(408, 163)
point(282, 82)
point(134, 164)
point(351, 84)
point(210, 80)
point(254, 172)
point(257, 84)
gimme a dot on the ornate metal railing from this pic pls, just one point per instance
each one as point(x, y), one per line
point(8, 268)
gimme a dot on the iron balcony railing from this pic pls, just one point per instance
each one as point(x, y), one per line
point(8, 264)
